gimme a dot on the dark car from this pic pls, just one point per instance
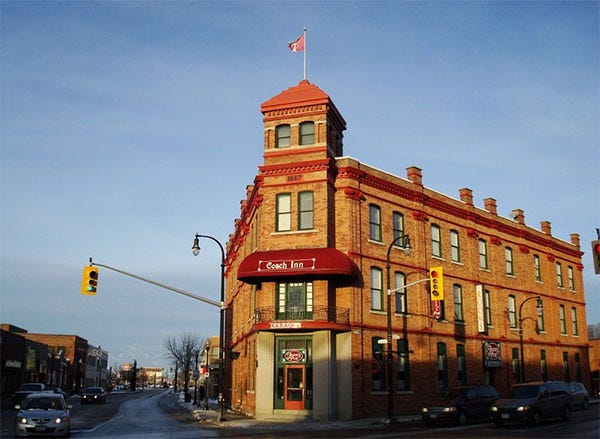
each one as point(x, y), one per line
point(25, 390)
point(93, 395)
point(579, 395)
point(532, 402)
point(462, 405)
point(43, 414)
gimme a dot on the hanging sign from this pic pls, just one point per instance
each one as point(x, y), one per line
point(492, 354)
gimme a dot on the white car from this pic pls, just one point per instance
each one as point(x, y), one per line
point(43, 414)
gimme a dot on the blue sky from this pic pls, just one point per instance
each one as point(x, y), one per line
point(127, 127)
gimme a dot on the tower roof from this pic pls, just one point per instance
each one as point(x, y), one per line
point(302, 94)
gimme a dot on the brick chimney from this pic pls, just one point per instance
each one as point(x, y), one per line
point(546, 227)
point(490, 205)
point(575, 240)
point(466, 196)
point(414, 175)
point(518, 215)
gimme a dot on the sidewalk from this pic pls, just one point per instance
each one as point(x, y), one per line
point(236, 421)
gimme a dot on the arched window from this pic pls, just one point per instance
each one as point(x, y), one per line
point(282, 136)
point(307, 133)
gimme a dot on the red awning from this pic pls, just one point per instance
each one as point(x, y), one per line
point(309, 262)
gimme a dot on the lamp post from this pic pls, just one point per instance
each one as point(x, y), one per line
point(540, 308)
point(404, 240)
point(196, 251)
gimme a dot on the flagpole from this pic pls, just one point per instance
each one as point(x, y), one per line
point(304, 53)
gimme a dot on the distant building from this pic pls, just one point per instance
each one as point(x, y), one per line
point(96, 371)
point(316, 248)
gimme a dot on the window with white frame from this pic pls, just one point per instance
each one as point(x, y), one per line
point(436, 241)
point(282, 136)
point(559, 275)
point(510, 267)
point(571, 278)
point(454, 246)
point(537, 272)
point(483, 258)
point(512, 311)
point(307, 133)
point(400, 281)
point(305, 210)
point(376, 289)
point(563, 319)
point(398, 225)
point(574, 321)
point(375, 223)
point(458, 303)
point(284, 212)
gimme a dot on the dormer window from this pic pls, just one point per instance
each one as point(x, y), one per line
point(282, 134)
point(307, 133)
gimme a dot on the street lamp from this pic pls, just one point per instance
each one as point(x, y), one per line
point(404, 243)
point(196, 251)
point(540, 308)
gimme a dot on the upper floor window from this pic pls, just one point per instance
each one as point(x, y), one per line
point(400, 281)
point(436, 241)
point(376, 289)
point(282, 136)
point(574, 321)
point(305, 210)
point(458, 304)
point(398, 224)
point(512, 311)
point(559, 275)
point(537, 272)
point(375, 223)
point(295, 301)
point(307, 133)
point(454, 246)
point(284, 212)
point(483, 258)
point(487, 307)
point(571, 278)
point(508, 255)
point(563, 319)
point(541, 325)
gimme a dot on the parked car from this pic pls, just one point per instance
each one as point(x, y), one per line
point(93, 395)
point(43, 414)
point(579, 395)
point(463, 405)
point(25, 390)
point(532, 402)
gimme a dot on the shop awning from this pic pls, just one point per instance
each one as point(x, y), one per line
point(310, 262)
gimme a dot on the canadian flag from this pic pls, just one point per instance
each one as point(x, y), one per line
point(298, 45)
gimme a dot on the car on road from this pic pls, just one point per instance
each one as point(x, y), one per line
point(25, 390)
point(532, 402)
point(43, 414)
point(462, 406)
point(579, 395)
point(93, 395)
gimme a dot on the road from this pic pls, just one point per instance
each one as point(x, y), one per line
point(155, 414)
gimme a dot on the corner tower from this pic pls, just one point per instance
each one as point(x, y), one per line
point(302, 119)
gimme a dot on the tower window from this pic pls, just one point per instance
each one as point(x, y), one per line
point(284, 212)
point(282, 134)
point(307, 133)
point(305, 210)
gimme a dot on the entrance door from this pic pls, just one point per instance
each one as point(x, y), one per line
point(294, 387)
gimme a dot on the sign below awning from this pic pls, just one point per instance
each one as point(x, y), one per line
point(313, 262)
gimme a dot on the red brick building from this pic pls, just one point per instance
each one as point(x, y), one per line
point(321, 241)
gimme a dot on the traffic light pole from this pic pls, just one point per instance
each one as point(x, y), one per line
point(219, 305)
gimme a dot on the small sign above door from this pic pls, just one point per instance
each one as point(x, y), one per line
point(293, 355)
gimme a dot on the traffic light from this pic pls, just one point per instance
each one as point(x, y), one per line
point(596, 255)
point(89, 281)
point(436, 283)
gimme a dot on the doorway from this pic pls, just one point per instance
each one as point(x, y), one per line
point(294, 387)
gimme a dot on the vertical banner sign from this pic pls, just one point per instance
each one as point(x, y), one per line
point(480, 310)
point(436, 309)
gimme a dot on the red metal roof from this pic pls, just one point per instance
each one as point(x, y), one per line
point(310, 262)
point(304, 93)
